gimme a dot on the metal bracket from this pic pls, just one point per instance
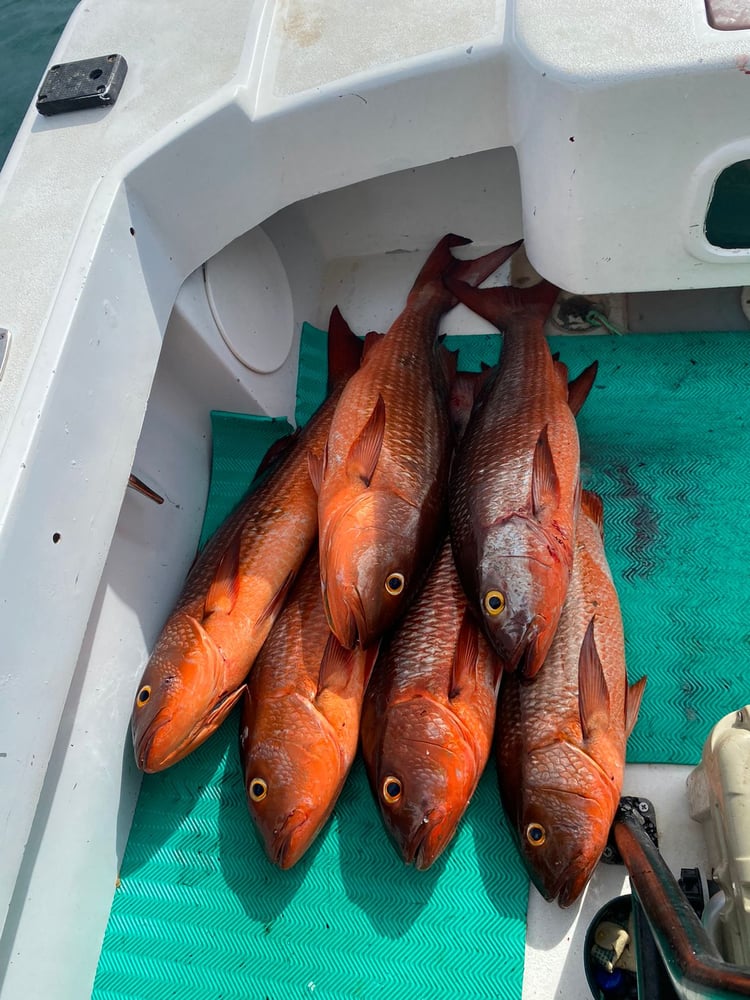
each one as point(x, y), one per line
point(88, 83)
point(631, 805)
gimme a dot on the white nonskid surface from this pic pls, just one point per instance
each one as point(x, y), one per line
point(554, 937)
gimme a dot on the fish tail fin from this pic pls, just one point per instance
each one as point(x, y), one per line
point(505, 303)
point(474, 272)
point(580, 387)
point(437, 263)
point(344, 349)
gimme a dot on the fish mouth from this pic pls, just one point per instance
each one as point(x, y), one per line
point(419, 849)
point(346, 617)
point(143, 746)
point(516, 644)
point(283, 846)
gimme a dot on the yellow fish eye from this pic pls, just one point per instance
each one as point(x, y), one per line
point(536, 834)
point(392, 789)
point(143, 695)
point(257, 789)
point(494, 602)
point(394, 583)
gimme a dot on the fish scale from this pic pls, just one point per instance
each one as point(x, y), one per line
point(551, 771)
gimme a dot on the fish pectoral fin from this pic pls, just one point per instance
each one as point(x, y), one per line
point(465, 658)
point(593, 696)
point(365, 451)
point(225, 586)
point(580, 387)
point(316, 466)
point(545, 486)
point(561, 371)
point(276, 603)
point(336, 667)
point(222, 708)
point(633, 698)
point(592, 506)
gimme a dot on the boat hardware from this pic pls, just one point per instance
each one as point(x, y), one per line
point(4, 345)
point(86, 83)
point(694, 964)
point(645, 809)
point(140, 487)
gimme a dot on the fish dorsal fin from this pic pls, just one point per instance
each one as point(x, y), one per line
point(365, 451)
point(275, 451)
point(545, 486)
point(276, 603)
point(465, 657)
point(592, 506)
point(316, 466)
point(372, 339)
point(633, 699)
point(336, 667)
point(344, 349)
point(593, 696)
point(581, 386)
point(225, 586)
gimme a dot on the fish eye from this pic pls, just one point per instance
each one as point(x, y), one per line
point(392, 789)
point(143, 695)
point(536, 834)
point(494, 602)
point(257, 789)
point(394, 583)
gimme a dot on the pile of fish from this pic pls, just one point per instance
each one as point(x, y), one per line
point(457, 557)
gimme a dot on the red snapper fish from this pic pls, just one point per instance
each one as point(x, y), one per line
point(561, 737)
point(235, 591)
point(515, 486)
point(300, 722)
point(428, 718)
point(383, 476)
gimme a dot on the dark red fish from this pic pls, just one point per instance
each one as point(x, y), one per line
point(428, 717)
point(234, 592)
point(515, 487)
point(561, 737)
point(300, 722)
point(383, 478)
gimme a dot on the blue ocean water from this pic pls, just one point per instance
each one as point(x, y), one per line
point(29, 30)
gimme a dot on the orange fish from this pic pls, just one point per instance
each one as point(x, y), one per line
point(235, 591)
point(300, 722)
point(561, 737)
point(428, 717)
point(383, 477)
point(515, 487)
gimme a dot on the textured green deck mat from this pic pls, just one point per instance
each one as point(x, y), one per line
point(201, 914)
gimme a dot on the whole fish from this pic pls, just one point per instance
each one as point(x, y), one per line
point(235, 591)
point(428, 717)
point(561, 737)
point(515, 487)
point(383, 477)
point(300, 722)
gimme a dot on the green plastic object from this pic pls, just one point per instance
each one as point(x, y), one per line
point(200, 912)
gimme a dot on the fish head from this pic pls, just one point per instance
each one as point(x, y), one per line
point(184, 675)
point(369, 568)
point(424, 777)
point(521, 584)
point(292, 782)
point(561, 808)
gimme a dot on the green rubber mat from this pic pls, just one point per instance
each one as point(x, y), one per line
point(200, 913)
